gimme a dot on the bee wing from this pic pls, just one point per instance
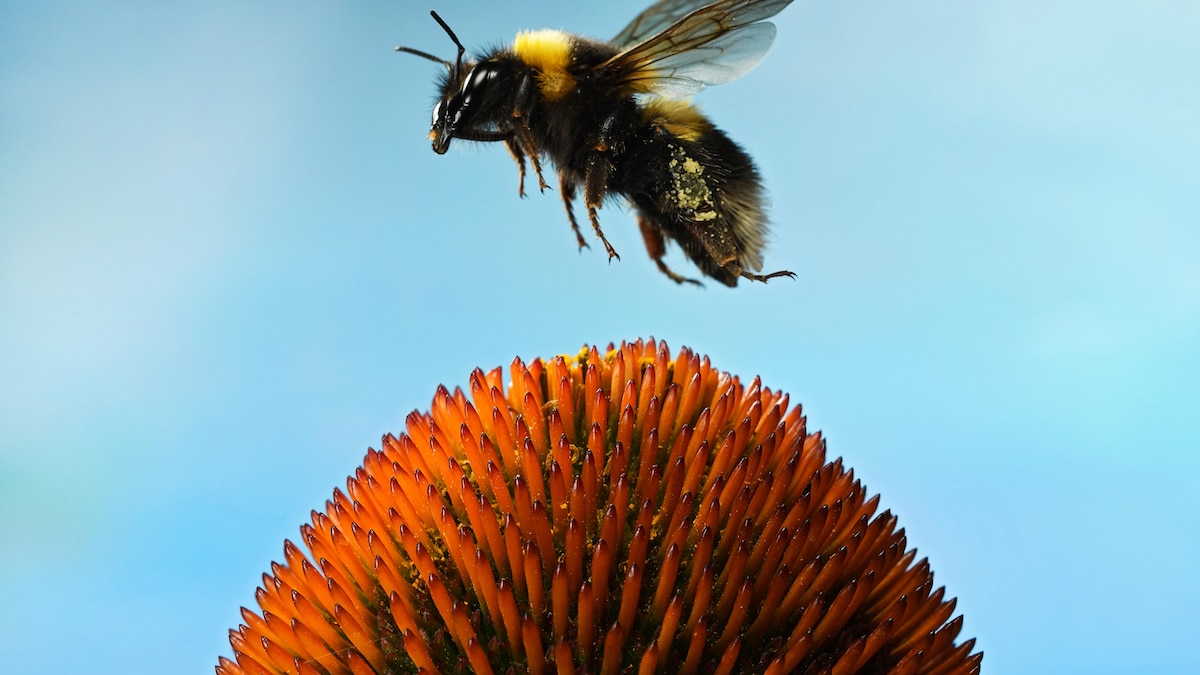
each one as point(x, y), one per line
point(656, 17)
point(713, 44)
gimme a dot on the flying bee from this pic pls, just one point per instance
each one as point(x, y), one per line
point(613, 118)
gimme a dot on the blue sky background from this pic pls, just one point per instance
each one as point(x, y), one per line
point(229, 262)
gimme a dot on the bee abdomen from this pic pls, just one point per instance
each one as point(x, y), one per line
point(706, 194)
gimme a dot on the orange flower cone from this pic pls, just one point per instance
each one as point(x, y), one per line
point(616, 512)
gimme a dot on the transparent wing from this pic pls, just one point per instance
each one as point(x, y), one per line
point(711, 45)
point(656, 17)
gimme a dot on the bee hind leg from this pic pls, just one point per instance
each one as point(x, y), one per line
point(656, 246)
point(734, 268)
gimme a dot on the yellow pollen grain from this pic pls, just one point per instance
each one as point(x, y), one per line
point(548, 52)
point(689, 188)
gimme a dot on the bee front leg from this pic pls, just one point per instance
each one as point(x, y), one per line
point(526, 97)
point(515, 145)
point(527, 139)
point(514, 149)
point(567, 187)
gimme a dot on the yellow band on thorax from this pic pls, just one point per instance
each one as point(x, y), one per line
point(549, 53)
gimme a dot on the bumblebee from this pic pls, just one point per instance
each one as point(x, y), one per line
point(614, 120)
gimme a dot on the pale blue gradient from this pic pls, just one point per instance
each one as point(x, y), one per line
point(229, 262)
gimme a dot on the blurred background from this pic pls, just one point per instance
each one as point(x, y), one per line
point(229, 263)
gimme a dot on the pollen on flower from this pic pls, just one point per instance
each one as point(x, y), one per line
point(613, 512)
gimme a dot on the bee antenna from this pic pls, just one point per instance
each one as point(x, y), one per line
point(426, 55)
point(453, 37)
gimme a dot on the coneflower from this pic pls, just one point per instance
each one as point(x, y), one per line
point(612, 512)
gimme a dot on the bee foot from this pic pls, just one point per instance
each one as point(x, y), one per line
point(674, 276)
point(764, 277)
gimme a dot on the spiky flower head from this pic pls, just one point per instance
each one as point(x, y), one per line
point(612, 512)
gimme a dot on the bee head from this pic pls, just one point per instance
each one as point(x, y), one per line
point(461, 89)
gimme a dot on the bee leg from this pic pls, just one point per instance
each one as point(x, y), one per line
point(716, 252)
point(516, 147)
point(567, 188)
point(612, 252)
point(595, 185)
point(518, 154)
point(736, 269)
point(657, 248)
point(525, 138)
point(526, 96)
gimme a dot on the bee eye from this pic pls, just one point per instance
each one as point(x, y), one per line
point(437, 111)
point(475, 79)
point(476, 82)
point(464, 104)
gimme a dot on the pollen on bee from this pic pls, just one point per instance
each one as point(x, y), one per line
point(690, 189)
